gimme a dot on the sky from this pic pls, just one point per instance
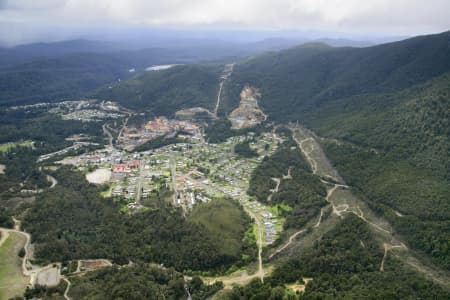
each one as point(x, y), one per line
point(23, 21)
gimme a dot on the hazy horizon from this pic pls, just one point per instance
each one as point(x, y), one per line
point(23, 21)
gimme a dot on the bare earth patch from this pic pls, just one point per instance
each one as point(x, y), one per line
point(90, 265)
point(300, 288)
point(99, 176)
point(248, 114)
point(49, 277)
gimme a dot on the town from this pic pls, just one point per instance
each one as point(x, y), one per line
point(132, 136)
point(188, 173)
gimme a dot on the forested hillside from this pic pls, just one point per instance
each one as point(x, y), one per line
point(72, 221)
point(55, 76)
point(300, 194)
point(398, 156)
point(165, 92)
point(139, 282)
point(56, 79)
point(389, 108)
point(297, 81)
point(343, 264)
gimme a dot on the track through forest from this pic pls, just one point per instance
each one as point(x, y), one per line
point(346, 202)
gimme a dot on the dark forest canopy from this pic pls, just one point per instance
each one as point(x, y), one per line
point(72, 221)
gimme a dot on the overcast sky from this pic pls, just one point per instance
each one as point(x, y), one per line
point(31, 20)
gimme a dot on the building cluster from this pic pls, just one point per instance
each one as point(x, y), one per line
point(161, 126)
point(91, 115)
point(194, 172)
point(126, 167)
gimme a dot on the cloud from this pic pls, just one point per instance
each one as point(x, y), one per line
point(382, 16)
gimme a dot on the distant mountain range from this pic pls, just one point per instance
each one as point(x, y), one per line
point(69, 69)
point(28, 52)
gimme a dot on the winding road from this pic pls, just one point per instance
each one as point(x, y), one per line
point(52, 180)
point(291, 239)
point(108, 133)
point(27, 268)
point(275, 190)
point(66, 292)
point(432, 272)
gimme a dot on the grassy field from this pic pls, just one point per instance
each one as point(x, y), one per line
point(226, 221)
point(12, 282)
point(7, 146)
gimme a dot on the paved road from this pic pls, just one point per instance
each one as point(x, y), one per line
point(139, 182)
point(173, 169)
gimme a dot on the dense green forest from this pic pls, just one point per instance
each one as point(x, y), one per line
point(397, 155)
point(47, 132)
point(164, 92)
point(35, 73)
point(55, 79)
point(158, 142)
point(300, 80)
point(139, 282)
point(219, 130)
point(302, 191)
point(73, 221)
point(390, 106)
point(243, 149)
point(5, 219)
point(414, 203)
point(343, 264)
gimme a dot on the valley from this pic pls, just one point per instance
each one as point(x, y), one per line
point(314, 172)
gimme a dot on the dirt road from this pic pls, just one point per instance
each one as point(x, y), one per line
point(291, 239)
point(66, 292)
point(320, 219)
point(358, 208)
point(275, 190)
point(110, 137)
point(4, 236)
point(52, 180)
point(259, 226)
point(226, 74)
point(27, 269)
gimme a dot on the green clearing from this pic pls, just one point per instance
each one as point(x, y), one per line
point(12, 282)
point(8, 146)
point(279, 209)
point(227, 223)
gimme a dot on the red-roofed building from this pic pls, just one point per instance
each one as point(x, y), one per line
point(125, 168)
